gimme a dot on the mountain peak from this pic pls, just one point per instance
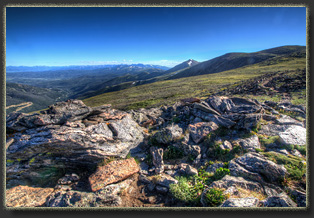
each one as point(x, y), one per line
point(190, 62)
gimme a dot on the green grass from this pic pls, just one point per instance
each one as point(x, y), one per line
point(168, 91)
point(261, 98)
point(214, 197)
point(294, 165)
point(189, 189)
point(266, 141)
point(299, 97)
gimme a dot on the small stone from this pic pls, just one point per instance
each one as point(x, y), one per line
point(161, 189)
point(191, 171)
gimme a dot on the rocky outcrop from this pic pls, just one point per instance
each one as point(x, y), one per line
point(77, 156)
point(68, 135)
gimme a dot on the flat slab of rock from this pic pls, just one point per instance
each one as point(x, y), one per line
point(199, 131)
point(24, 196)
point(295, 135)
point(113, 172)
point(241, 202)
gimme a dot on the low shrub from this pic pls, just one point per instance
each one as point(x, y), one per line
point(214, 197)
point(220, 173)
point(189, 189)
point(172, 152)
point(185, 191)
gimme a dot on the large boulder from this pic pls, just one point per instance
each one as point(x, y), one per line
point(256, 167)
point(57, 114)
point(203, 106)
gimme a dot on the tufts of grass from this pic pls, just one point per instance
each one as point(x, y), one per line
point(225, 155)
point(243, 193)
point(269, 140)
point(290, 147)
point(294, 165)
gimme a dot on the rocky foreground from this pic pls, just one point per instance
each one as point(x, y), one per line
point(217, 152)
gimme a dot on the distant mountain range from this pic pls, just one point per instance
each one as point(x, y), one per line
point(76, 67)
point(87, 81)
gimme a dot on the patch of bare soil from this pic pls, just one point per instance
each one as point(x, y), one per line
point(136, 195)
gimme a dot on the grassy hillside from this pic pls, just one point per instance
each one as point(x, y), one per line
point(169, 91)
point(235, 60)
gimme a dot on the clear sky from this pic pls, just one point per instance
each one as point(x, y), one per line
point(55, 36)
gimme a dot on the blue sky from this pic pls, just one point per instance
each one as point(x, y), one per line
point(55, 36)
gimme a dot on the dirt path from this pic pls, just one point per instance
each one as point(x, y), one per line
point(20, 106)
